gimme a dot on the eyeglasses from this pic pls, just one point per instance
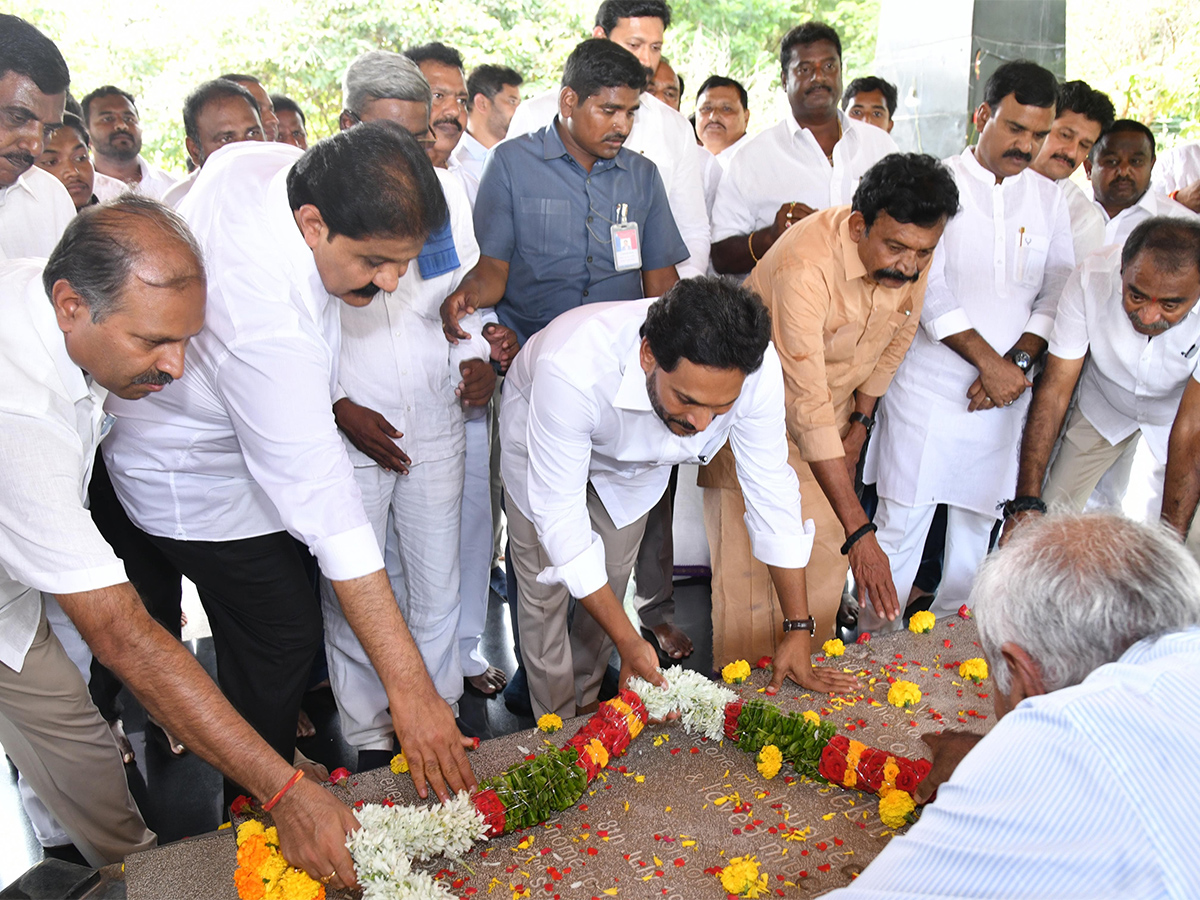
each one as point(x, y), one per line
point(423, 139)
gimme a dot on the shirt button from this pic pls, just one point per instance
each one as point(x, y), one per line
point(585, 293)
point(589, 259)
point(589, 218)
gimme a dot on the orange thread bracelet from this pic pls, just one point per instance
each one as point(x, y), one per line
point(270, 804)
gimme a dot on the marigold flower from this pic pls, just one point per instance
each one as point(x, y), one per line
point(741, 877)
point(549, 723)
point(597, 751)
point(896, 809)
point(812, 717)
point(249, 884)
point(975, 669)
point(399, 764)
point(922, 622)
point(296, 885)
point(833, 647)
point(769, 761)
point(736, 672)
point(904, 694)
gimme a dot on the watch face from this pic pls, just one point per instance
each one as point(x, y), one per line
point(1022, 360)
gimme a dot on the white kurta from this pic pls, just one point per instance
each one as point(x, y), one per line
point(154, 183)
point(1176, 168)
point(1087, 223)
point(999, 269)
point(34, 211)
point(1118, 228)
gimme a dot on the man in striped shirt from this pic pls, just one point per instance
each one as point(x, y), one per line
point(1085, 785)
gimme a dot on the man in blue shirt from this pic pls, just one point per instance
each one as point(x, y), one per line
point(554, 204)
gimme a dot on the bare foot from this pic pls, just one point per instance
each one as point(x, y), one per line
point(117, 727)
point(173, 743)
point(304, 726)
point(673, 642)
point(490, 682)
point(312, 769)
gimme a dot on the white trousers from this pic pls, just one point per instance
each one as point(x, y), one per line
point(475, 548)
point(902, 532)
point(416, 521)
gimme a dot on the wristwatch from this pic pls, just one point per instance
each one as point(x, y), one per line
point(808, 625)
point(1021, 360)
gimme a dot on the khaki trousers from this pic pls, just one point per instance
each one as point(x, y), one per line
point(64, 749)
point(565, 652)
point(747, 619)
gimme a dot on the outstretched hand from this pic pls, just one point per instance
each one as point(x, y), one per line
point(794, 660)
point(433, 745)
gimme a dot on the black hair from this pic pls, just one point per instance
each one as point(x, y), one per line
point(1125, 126)
point(97, 252)
point(28, 52)
point(436, 52)
point(240, 78)
point(598, 63)
point(373, 180)
point(713, 81)
point(1080, 97)
point(1029, 83)
point(108, 90)
point(612, 11)
point(72, 121)
point(680, 77)
point(490, 80)
point(802, 36)
point(910, 187)
point(217, 89)
point(72, 106)
point(287, 104)
point(1174, 242)
point(709, 322)
point(867, 85)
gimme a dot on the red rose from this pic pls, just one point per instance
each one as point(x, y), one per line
point(765, 662)
point(337, 776)
point(833, 763)
point(964, 612)
point(864, 638)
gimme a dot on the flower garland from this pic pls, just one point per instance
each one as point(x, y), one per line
point(263, 873)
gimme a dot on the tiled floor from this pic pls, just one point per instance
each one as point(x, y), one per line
point(182, 796)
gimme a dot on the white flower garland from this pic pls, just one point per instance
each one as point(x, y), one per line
point(392, 836)
point(701, 703)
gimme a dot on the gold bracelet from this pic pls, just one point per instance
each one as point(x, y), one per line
point(750, 245)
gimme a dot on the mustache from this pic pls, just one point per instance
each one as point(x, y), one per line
point(1066, 159)
point(1122, 179)
point(366, 292)
point(615, 136)
point(894, 274)
point(154, 376)
point(1018, 154)
point(818, 87)
point(1157, 327)
point(23, 160)
point(448, 120)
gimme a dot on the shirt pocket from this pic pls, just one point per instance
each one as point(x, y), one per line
point(543, 226)
point(841, 344)
point(1030, 262)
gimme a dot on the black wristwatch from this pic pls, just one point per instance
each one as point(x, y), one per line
point(1022, 504)
point(808, 625)
point(1021, 360)
point(865, 421)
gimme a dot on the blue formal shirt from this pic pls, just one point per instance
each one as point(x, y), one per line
point(1088, 792)
point(541, 212)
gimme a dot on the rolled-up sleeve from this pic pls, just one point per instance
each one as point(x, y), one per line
point(779, 534)
point(277, 396)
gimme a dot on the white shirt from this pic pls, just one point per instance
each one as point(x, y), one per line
point(153, 184)
point(174, 195)
point(999, 269)
point(725, 157)
point(1176, 168)
point(1087, 792)
point(1118, 227)
point(1087, 223)
point(34, 211)
point(105, 187)
point(785, 163)
point(1130, 381)
point(576, 409)
point(710, 174)
point(245, 443)
point(665, 138)
point(396, 360)
point(51, 419)
point(466, 161)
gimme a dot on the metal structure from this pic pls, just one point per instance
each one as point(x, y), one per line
point(940, 53)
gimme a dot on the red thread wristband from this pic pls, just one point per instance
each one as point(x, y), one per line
point(270, 804)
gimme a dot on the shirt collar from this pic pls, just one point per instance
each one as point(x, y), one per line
point(850, 258)
point(977, 170)
point(632, 394)
point(22, 182)
point(554, 148)
point(794, 127)
point(472, 146)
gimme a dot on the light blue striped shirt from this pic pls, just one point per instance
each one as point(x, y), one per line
point(1088, 792)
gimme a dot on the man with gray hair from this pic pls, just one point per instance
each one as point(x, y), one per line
point(1089, 623)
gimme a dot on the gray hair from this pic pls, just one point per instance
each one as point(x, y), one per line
point(100, 248)
point(383, 75)
point(1076, 590)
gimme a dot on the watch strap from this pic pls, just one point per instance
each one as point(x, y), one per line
point(865, 421)
point(808, 625)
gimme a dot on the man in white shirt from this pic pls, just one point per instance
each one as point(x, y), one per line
point(223, 472)
point(1119, 167)
point(722, 116)
point(111, 117)
point(1177, 174)
point(493, 95)
point(404, 386)
point(1083, 115)
point(111, 310)
point(949, 425)
point(442, 67)
point(597, 407)
point(659, 133)
point(812, 159)
point(1126, 335)
point(1082, 789)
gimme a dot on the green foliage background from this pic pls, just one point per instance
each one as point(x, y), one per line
point(160, 49)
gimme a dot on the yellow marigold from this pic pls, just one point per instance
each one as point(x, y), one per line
point(742, 877)
point(272, 870)
point(248, 828)
point(834, 647)
point(891, 772)
point(272, 837)
point(810, 716)
point(736, 672)
point(769, 761)
point(904, 694)
point(975, 669)
point(296, 885)
point(635, 724)
point(399, 764)
point(549, 723)
point(597, 751)
point(922, 622)
point(896, 808)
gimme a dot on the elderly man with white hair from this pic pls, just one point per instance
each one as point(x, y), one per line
point(1085, 786)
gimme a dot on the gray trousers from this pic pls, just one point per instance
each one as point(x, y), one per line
point(64, 749)
point(565, 651)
